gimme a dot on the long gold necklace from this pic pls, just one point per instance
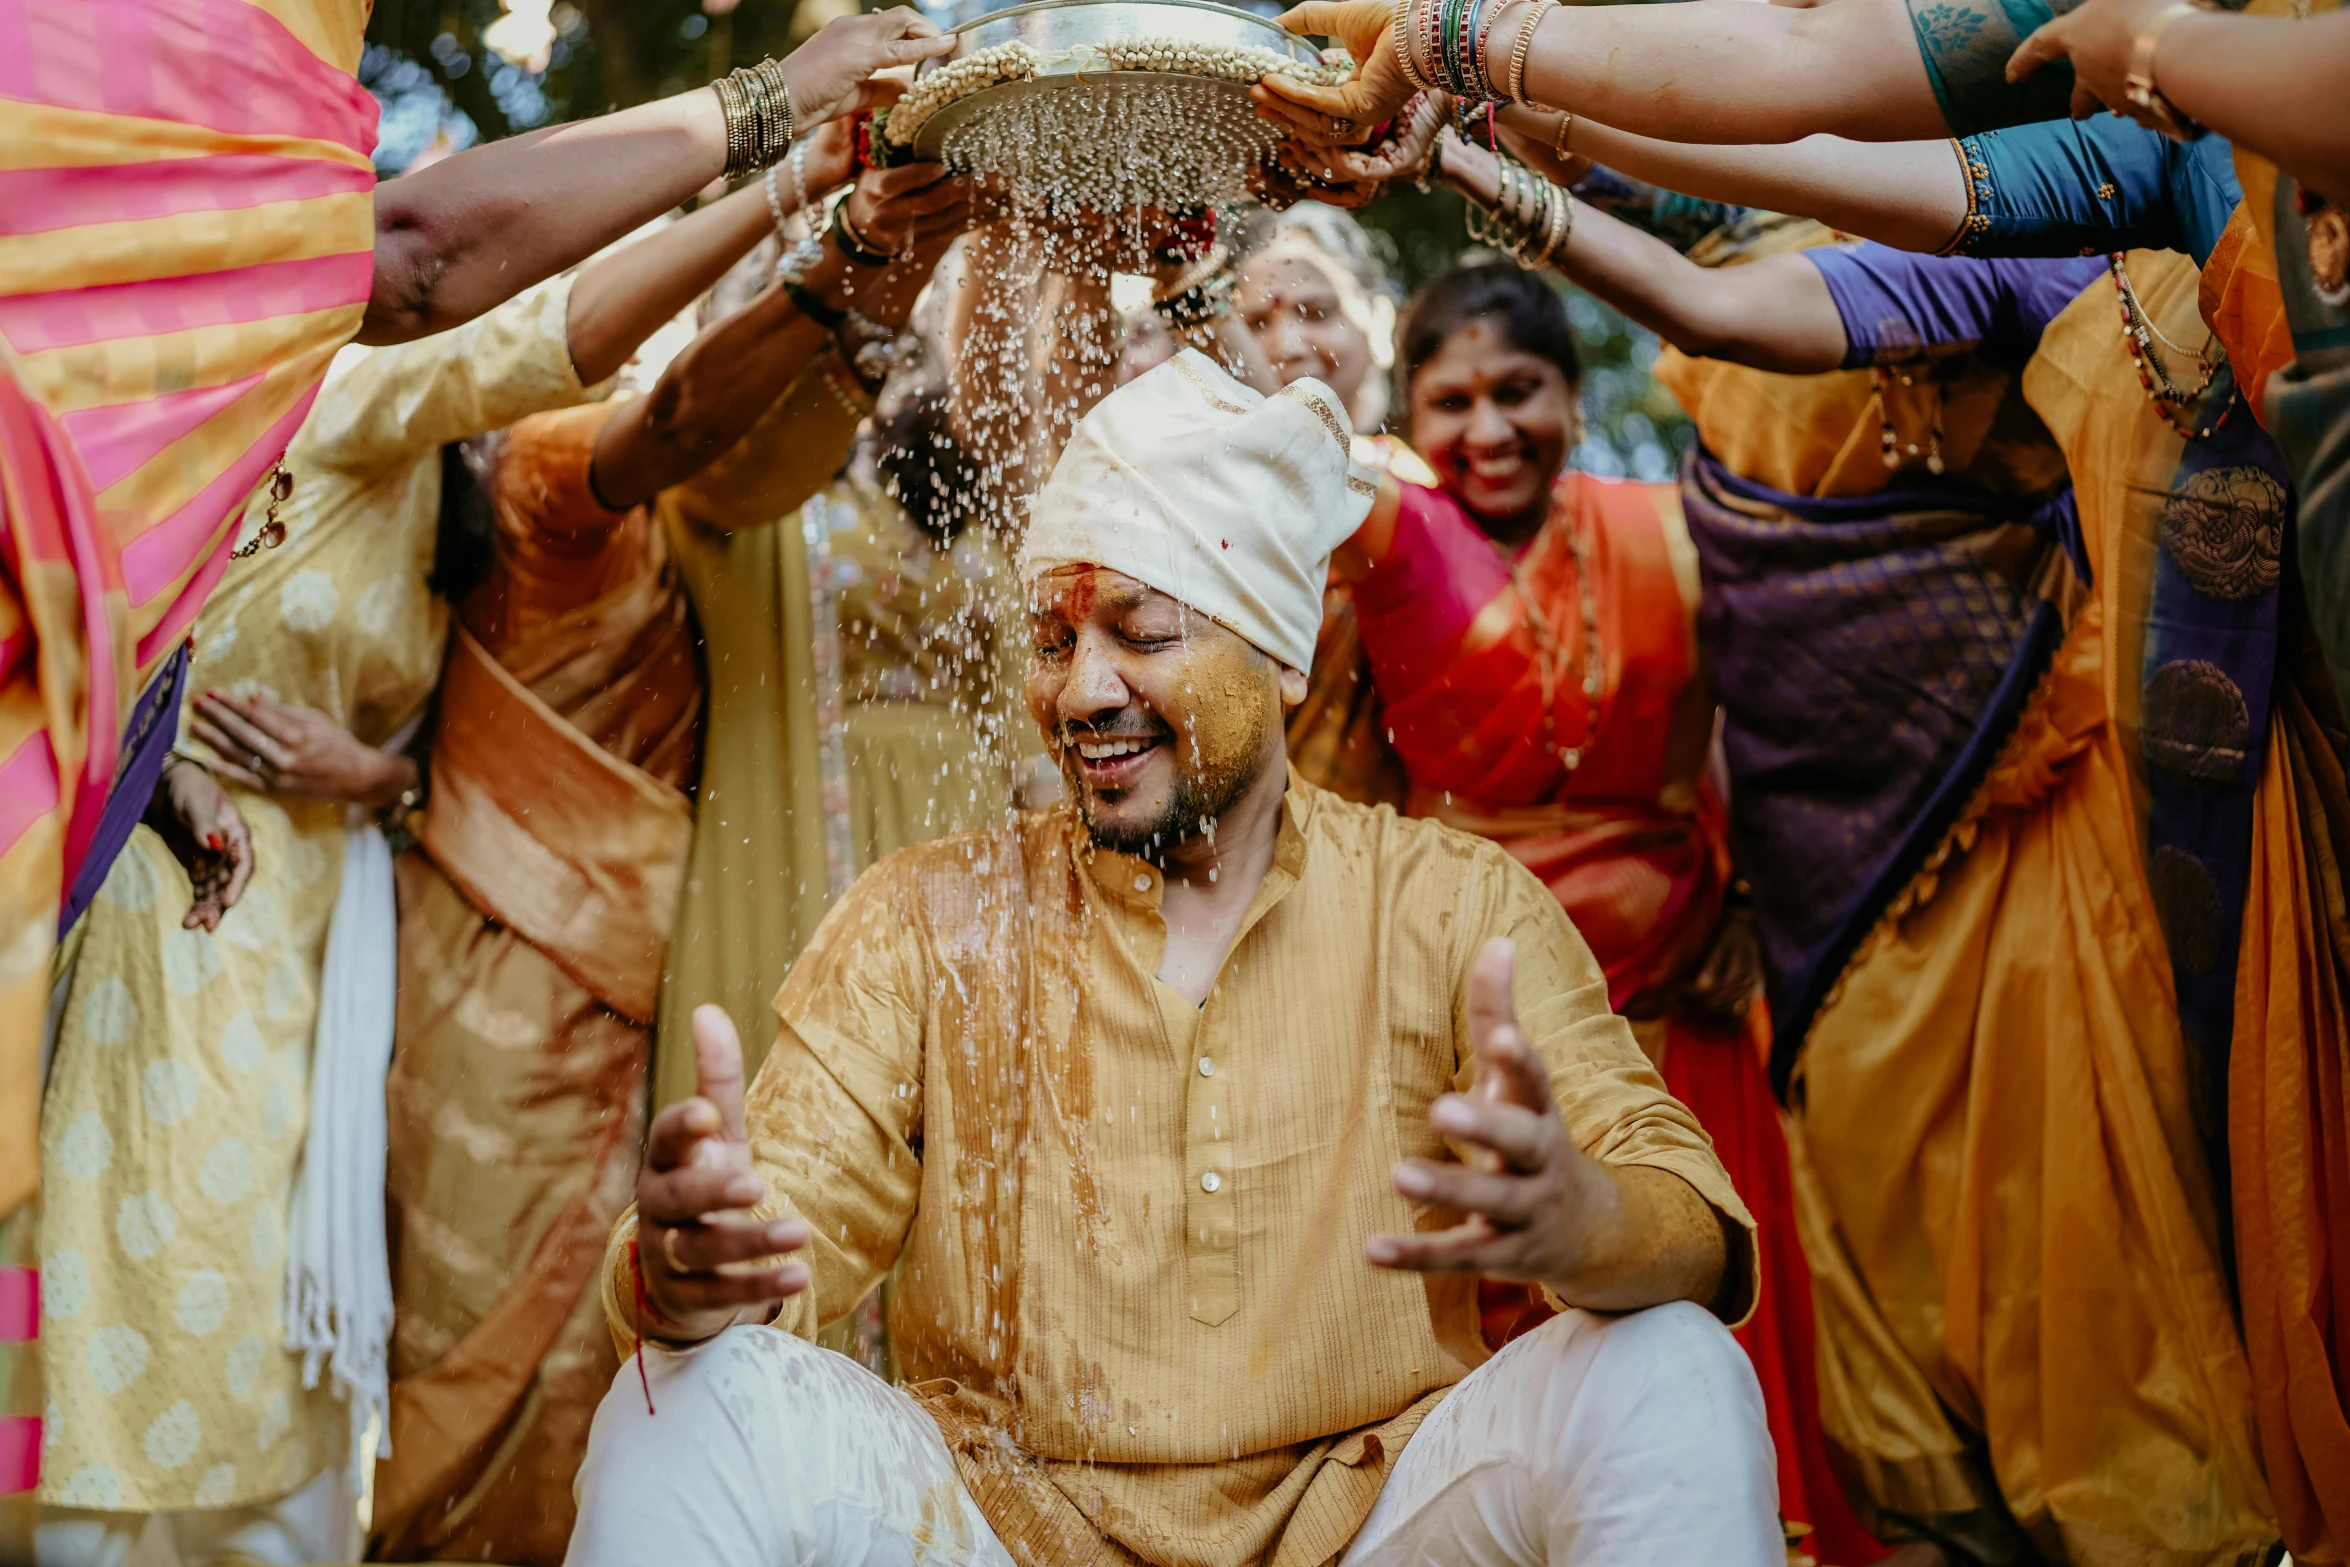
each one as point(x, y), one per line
point(1551, 661)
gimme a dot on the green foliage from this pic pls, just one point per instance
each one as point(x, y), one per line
point(436, 77)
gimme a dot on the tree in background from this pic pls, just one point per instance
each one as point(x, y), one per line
point(451, 72)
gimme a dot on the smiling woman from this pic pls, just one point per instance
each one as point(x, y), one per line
point(1531, 632)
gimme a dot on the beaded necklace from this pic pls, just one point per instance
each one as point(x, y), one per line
point(2138, 335)
point(1551, 660)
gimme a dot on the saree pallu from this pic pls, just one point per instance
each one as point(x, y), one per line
point(64, 656)
point(1635, 850)
point(186, 236)
point(2289, 1111)
point(2289, 1123)
point(2002, 1159)
point(533, 925)
point(1871, 654)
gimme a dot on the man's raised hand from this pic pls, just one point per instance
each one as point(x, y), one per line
point(1532, 1203)
point(706, 1263)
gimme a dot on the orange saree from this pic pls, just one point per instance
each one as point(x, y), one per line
point(1553, 703)
point(534, 919)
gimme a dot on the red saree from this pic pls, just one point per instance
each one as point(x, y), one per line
point(1482, 666)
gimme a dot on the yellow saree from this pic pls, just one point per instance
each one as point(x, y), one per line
point(181, 1082)
point(863, 697)
point(2015, 1239)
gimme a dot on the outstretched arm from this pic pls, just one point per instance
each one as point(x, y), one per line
point(1704, 71)
point(1773, 314)
point(726, 378)
point(1907, 194)
point(474, 230)
point(2271, 85)
point(622, 299)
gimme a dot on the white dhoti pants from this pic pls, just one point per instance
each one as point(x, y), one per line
point(1617, 1440)
point(317, 1524)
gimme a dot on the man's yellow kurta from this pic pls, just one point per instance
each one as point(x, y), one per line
point(1134, 1294)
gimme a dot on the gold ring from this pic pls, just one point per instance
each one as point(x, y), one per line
point(669, 1249)
point(1340, 126)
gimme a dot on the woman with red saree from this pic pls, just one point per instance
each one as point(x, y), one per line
point(1531, 631)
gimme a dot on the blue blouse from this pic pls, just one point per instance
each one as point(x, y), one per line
point(2081, 187)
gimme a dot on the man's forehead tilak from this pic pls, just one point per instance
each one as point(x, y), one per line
point(1074, 591)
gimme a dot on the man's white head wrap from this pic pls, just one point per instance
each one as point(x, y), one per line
point(1231, 501)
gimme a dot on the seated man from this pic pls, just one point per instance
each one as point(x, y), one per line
point(1241, 1327)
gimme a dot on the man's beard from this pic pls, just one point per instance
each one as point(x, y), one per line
point(1200, 801)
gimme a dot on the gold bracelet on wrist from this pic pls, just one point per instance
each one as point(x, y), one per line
point(1516, 81)
point(2138, 85)
point(1401, 43)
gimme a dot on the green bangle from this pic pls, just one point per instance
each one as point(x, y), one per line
point(812, 306)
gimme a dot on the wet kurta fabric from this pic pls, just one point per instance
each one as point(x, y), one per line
point(1468, 646)
point(1133, 1290)
point(533, 921)
point(2009, 1203)
point(180, 1095)
point(186, 237)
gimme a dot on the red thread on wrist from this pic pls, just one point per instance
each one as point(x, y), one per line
point(636, 1272)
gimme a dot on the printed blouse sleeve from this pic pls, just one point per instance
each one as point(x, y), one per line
point(384, 407)
point(1965, 45)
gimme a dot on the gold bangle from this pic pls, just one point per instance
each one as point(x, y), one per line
point(1566, 124)
point(2138, 86)
point(1566, 227)
point(1400, 42)
point(1517, 71)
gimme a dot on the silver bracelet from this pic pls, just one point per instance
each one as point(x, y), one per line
point(792, 266)
point(870, 348)
point(774, 201)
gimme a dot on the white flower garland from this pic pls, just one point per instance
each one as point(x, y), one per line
point(1017, 61)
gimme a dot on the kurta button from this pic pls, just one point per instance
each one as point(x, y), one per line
point(1207, 1067)
point(1210, 1181)
point(1142, 884)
